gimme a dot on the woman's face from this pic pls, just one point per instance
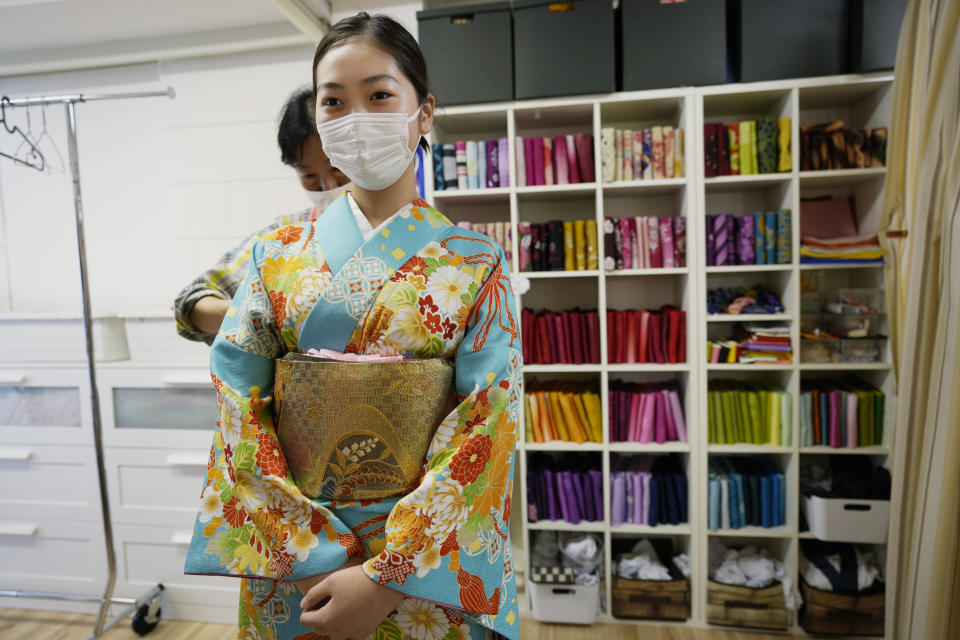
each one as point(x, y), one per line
point(359, 77)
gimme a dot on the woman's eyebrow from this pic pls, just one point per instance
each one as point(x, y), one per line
point(378, 78)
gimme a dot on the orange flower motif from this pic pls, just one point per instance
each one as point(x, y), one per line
point(270, 456)
point(470, 459)
point(407, 530)
point(287, 235)
point(279, 303)
point(234, 514)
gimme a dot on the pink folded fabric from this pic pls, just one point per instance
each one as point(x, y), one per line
point(668, 415)
point(646, 419)
point(677, 416)
point(329, 354)
point(636, 402)
point(660, 419)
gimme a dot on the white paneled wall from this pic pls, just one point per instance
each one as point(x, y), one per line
point(168, 185)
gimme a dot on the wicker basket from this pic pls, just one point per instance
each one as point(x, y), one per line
point(745, 607)
point(652, 599)
point(847, 614)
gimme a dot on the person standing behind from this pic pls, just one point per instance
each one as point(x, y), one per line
point(199, 308)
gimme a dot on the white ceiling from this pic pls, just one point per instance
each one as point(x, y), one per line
point(30, 25)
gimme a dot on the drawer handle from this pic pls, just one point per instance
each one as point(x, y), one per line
point(188, 459)
point(181, 537)
point(856, 507)
point(11, 378)
point(18, 529)
point(186, 380)
point(15, 453)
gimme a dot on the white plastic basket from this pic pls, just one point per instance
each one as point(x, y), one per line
point(567, 603)
point(847, 520)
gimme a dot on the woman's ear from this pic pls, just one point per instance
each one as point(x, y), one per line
point(426, 114)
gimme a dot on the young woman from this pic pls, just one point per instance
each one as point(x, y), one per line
point(381, 272)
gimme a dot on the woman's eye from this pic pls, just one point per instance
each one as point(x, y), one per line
point(330, 102)
point(381, 95)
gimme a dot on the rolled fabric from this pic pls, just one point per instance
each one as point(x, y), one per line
point(473, 161)
point(669, 143)
point(733, 139)
point(618, 500)
point(646, 160)
point(521, 163)
point(493, 165)
point(449, 166)
point(461, 148)
point(503, 161)
point(438, 183)
point(607, 153)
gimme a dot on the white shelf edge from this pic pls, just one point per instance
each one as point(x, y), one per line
point(806, 266)
point(467, 194)
point(626, 367)
point(548, 190)
point(750, 367)
point(660, 529)
point(546, 275)
point(748, 448)
point(785, 531)
point(749, 268)
point(752, 178)
point(864, 451)
point(648, 447)
point(673, 271)
point(561, 525)
point(750, 317)
point(561, 445)
point(846, 366)
point(562, 368)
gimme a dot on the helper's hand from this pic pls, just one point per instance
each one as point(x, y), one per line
point(307, 583)
point(351, 605)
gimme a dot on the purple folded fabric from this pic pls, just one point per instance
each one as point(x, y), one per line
point(503, 162)
point(618, 500)
point(645, 504)
point(668, 415)
point(677, 412)
point(637, 481)
point(566, 512)
point(721, 254)
point(596, 478)
point(576, 479)
point(746, 250)
point(660, 418)
point(553, 496)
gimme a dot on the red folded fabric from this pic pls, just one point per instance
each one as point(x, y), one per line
point(682, 340)
point(561, 352)
point(655, 334)
point(633, 331)
point(576, 338)
point(567, 338)
point(673, 334)
point(611, 330)
point(594, 333)
point(543, 340)
point(643, 349)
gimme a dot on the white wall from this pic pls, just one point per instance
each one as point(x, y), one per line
point(168, 185)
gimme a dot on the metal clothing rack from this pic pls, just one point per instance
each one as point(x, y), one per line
point(146, 608)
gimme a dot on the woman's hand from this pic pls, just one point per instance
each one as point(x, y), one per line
point(351, 605)
point(308, 583)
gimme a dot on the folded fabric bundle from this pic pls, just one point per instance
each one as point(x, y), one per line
point(560, 337)
point(748, 147)
point(500, 232)
point(737, 300)
point(647, 336)
point(644, 242)
point(838, 567)
point(642, 563)
point(481, 164)
point(558, 246)
point(544, 161)
point(561, 411)
point(841, 413)
point(758, 238)
point(745, 491)
point(563, 490)
point(748, 412)
point(653, 153)
point(755, 344)
point(647, 490)
point(832, 145)
point(645, 413)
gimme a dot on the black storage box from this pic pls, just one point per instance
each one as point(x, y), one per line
point(672, 45)
point(874, 33)
point(469, 52)
point(563, 48)
point(777, 39)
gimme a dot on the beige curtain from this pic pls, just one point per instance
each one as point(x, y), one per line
point(922, 197)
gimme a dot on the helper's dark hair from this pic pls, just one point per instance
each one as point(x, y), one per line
point(389, 35)
point(297, 123)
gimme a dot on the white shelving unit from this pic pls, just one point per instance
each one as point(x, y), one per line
point(861, 101)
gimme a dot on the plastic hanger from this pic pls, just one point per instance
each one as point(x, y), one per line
point(45, 136)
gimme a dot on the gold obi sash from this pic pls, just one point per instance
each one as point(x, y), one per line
point(359, 430)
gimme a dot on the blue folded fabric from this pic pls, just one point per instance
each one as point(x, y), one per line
point(766, 506)
point(713, 490)
point(654, 500)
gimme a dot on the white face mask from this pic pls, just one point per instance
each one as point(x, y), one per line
point(372, 149)
point(322, 199)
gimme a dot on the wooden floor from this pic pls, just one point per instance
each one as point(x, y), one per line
point(26, 624)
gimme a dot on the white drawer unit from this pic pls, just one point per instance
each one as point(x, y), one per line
point(149, 554)
point(54, 337)
point(157, 407)
point(41, 481)
point(153, 339)
point(155, 486)
point(52, 555)
point(45, 405)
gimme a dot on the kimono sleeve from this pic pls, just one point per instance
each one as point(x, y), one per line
point(448, 541)
point(253, 520)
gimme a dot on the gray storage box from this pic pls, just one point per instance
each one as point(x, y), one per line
point(777, 39)
point(469, 52)
point(672, 45)
point(563, 48)
point(874, 33)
